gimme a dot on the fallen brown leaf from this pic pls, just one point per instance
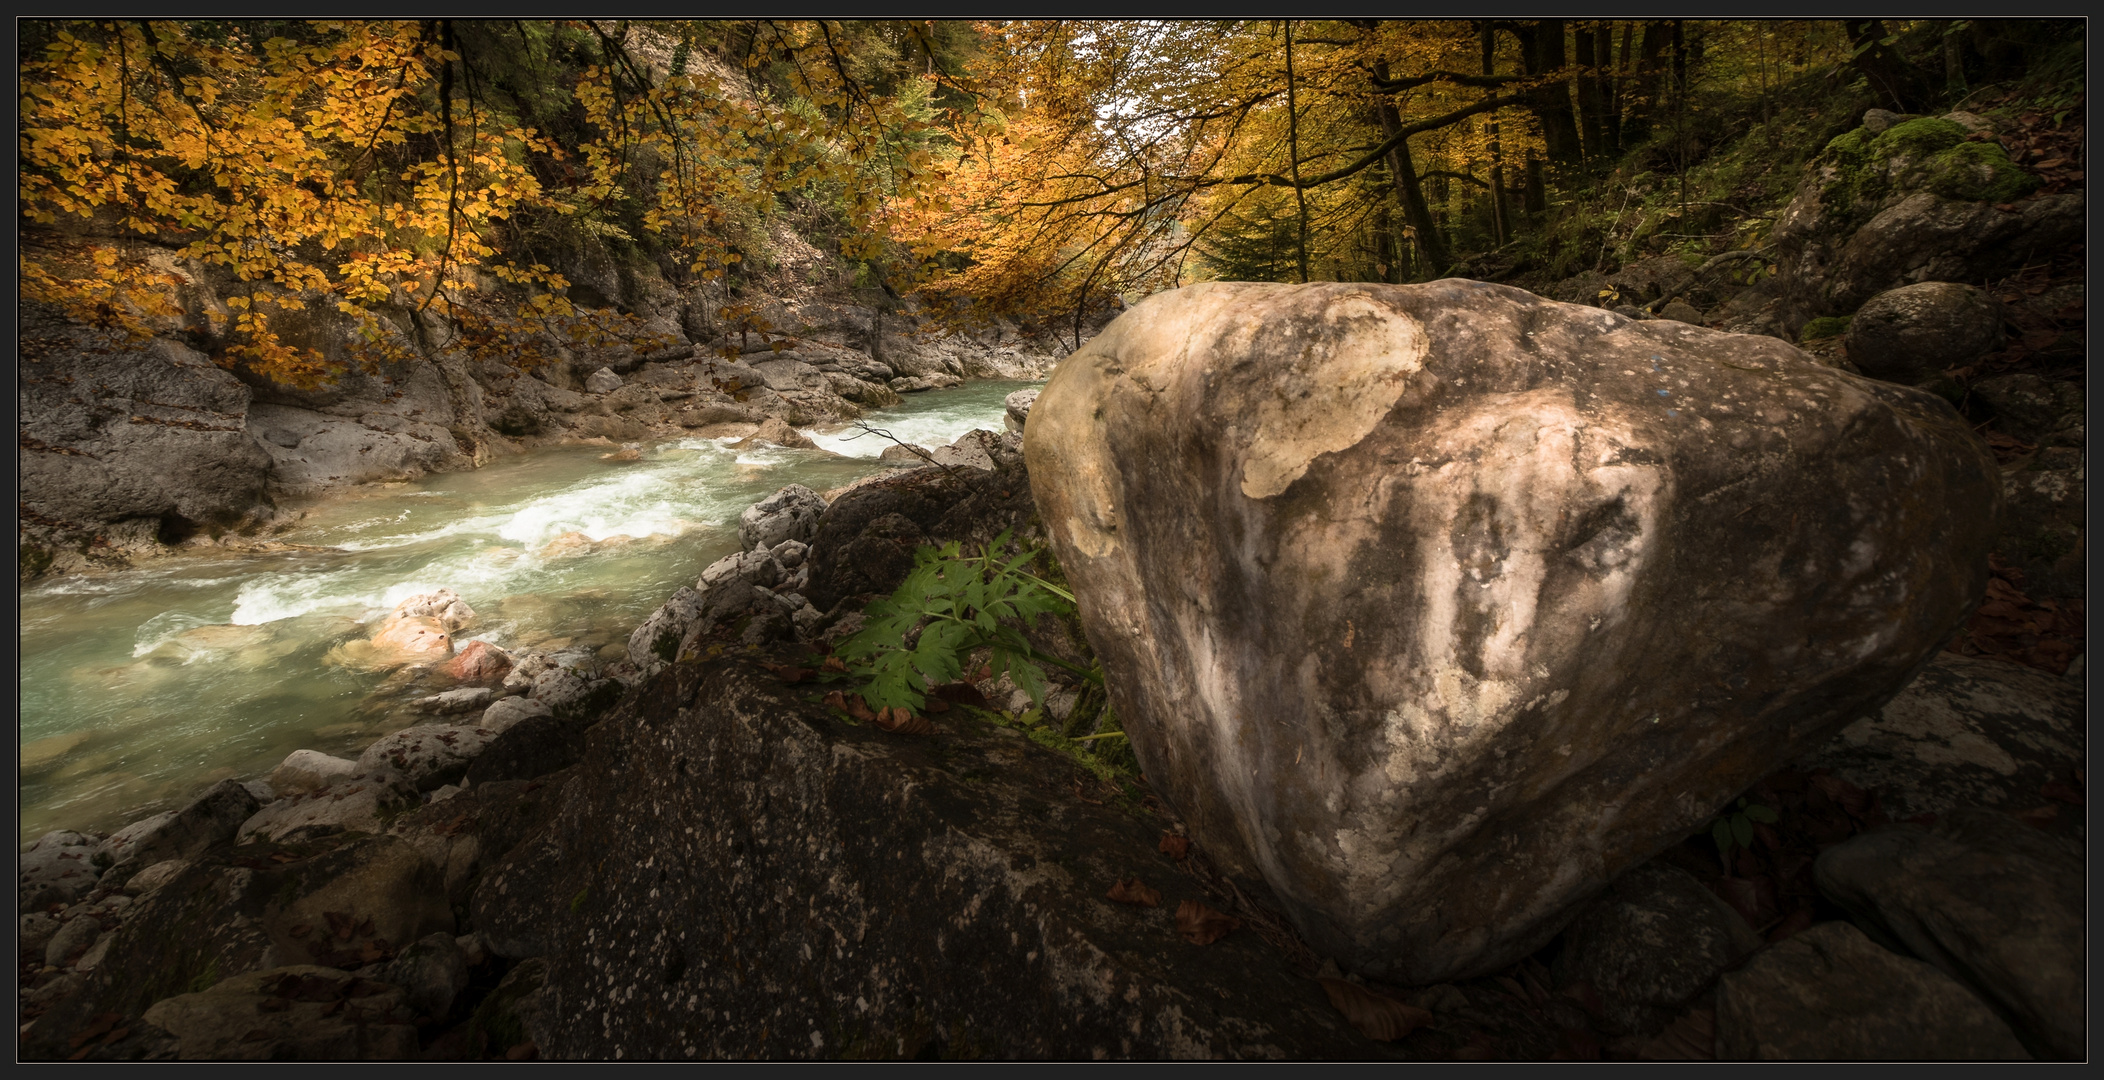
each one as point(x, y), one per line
point(1480, 1048)
point(1174, 846)
point(1690, 1037)
point(900, 721)
point(1201, 925)
point(1135, 892)
point(837, 700)
point(960, 693)
point(833, 664)
point(1377, 1016)
point(1798, 920)
point(525, 1051)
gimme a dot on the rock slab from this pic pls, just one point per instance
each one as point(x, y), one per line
point(1435, 607)
point(1830, 994)
point(1990, 902)
point(710, 886)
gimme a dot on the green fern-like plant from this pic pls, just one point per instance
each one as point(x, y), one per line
point(959, 603)
point(1735, 828)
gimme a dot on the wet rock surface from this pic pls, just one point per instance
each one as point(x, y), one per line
point(1402, 583)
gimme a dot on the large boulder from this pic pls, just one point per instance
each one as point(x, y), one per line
point(1830, 994)
point(1436, 607)
point(1911, 333)
point(1986, 899)
point(714, 852)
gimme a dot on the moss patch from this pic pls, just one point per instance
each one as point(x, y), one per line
point(1978, 172)
point(1824, 328)
point(1926, 154)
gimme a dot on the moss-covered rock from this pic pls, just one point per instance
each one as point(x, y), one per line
point(1823, 328)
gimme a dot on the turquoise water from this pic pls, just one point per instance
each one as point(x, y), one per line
point(141, 687)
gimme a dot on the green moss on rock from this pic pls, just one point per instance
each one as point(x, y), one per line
point(1917, 138)
point(1978, 172)
point(1824, 328)
point(1926, 154)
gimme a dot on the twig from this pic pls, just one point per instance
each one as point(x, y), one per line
point(914, 450)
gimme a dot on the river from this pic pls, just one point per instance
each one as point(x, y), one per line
point(140, 687)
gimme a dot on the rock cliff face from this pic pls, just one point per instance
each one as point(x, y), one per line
point(1436, 607)
point(130, 445)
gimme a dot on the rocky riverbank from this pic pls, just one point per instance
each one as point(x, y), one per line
point(135, 447)
point(683, 853)
point(555, 840)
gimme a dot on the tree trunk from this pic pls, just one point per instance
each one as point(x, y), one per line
point(1591, 125)
point(1646, 102)
point(1403, 173)
point(1616, 96)
point(1537, 199)
point(1898, 85)
point(1541, 50)
point(1500, 219)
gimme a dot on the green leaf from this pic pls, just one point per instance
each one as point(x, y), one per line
point(1721, 833)
point(1760, 813)
point(1742, 830)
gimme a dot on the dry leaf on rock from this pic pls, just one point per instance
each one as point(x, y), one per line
point(899, 721)
point(1174, 846)
point(1201, 925)
point(1377, 1016)
point(1690, 1037)
point(1135, 892)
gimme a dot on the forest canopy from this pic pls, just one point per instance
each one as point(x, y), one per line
point(396, 170)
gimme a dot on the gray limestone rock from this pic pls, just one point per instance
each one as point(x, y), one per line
point(510, 711)
point(358, 803)
point(1989, 901)
point(1650, 943)
point(1016, 408)
point(1967, 732)
point(57, 868)
point(211, 818)
point(295, 1013)
point(1397, 586)
point(789, 514)
point(1911, 333)
point(308, 770)
point(428, 756)
point(1830, 994)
